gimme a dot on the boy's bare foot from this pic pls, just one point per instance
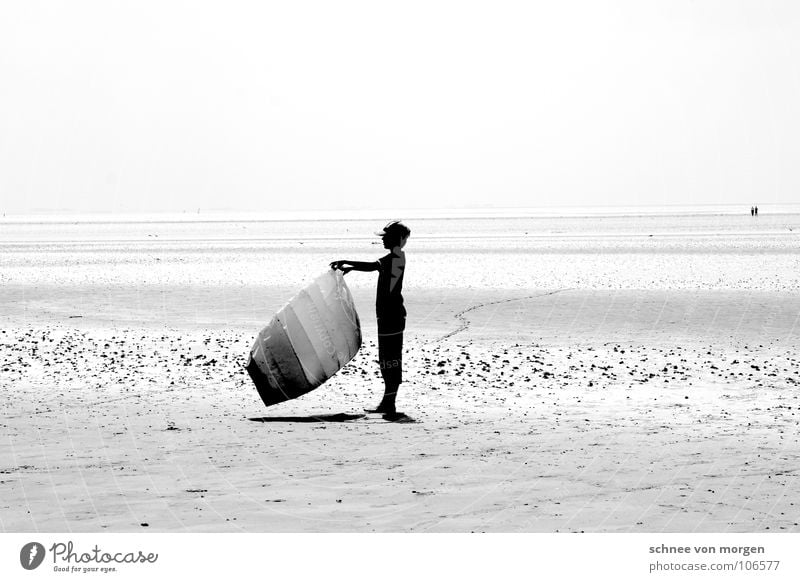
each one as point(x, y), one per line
point(380, 410)
point(397, 417)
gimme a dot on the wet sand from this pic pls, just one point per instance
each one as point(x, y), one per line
point(568, 383)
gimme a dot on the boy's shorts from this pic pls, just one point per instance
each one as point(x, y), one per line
point(390, 349)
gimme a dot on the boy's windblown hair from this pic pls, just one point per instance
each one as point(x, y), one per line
point(396, 230)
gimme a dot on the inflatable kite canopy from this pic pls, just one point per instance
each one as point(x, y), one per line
point(308, 341)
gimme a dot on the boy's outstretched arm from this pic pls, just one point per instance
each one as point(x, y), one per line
point(347, 266)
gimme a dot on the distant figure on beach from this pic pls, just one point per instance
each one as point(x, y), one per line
point(389, 309)
point(756, 210)
point(752, 211)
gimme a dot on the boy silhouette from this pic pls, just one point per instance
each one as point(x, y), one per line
point(389, 309)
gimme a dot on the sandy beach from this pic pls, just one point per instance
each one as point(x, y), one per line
point(570, 374)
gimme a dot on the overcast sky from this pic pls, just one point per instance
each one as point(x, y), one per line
point(165, 105)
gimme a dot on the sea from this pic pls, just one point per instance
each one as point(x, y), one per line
point(426, 224)
point(223, 269)
point(203, 266)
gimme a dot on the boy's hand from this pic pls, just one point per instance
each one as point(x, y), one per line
point(340, 266)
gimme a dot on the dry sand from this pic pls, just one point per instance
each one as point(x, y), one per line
point(565, 407)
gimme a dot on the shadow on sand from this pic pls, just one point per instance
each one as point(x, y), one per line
point(339, 417)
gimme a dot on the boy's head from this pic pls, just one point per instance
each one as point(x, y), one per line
point(394, 234)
